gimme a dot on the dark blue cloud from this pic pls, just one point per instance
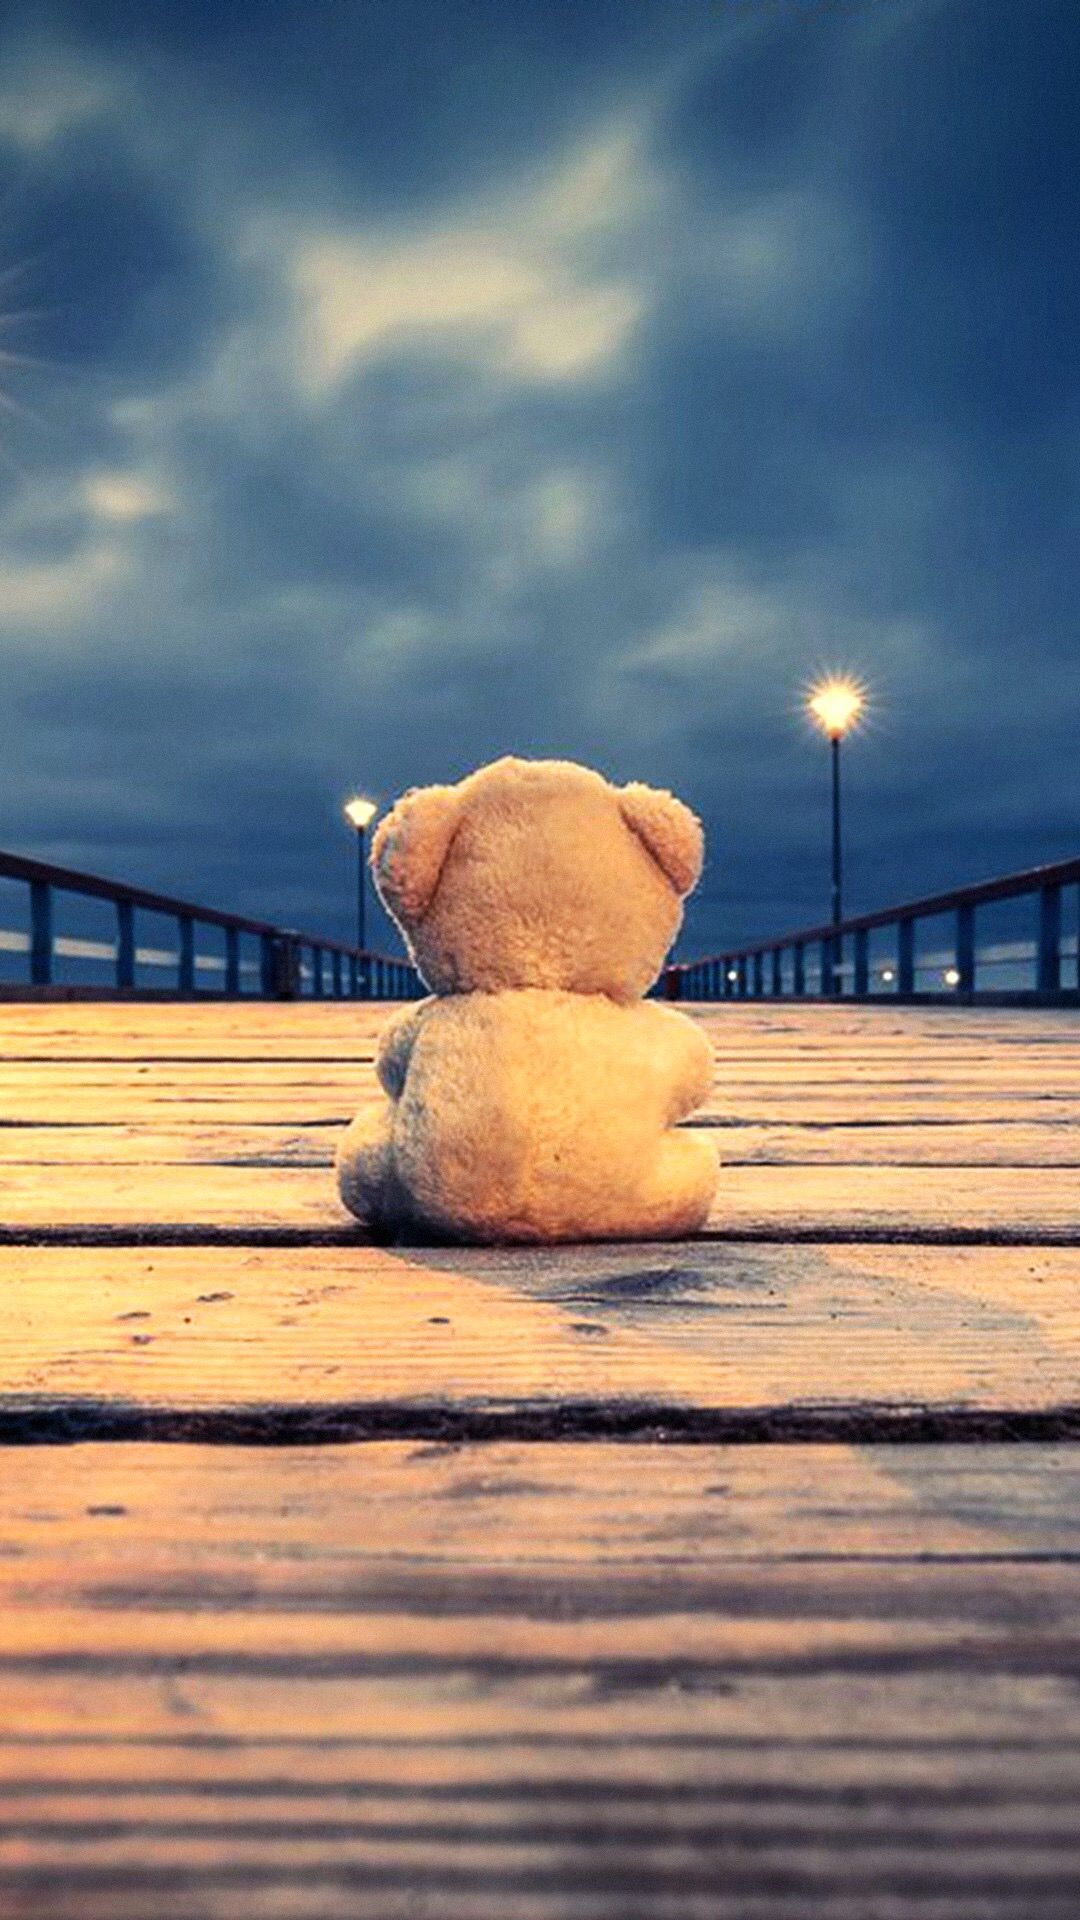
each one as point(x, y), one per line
point(394, 102)
point(124, 283)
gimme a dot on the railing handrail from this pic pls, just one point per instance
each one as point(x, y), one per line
point(18, 866)
point(1005, 887)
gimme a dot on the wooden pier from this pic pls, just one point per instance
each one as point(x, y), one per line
point(730, 1580)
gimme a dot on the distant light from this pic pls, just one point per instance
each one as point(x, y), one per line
point(733, 974)
point(836, 705)
point(359, 811)
point(888, 975)
point(952, 977)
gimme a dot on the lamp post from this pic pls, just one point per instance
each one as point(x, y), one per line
point(835, 705)
point(359, 812)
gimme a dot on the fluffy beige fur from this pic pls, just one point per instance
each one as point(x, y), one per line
point(535, 1096)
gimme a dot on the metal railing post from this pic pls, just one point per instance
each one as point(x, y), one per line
point(125, 945)
point(232, 962)
point(759, 975)
point(335, 973)
point(905, 956)
point(41, 933)
point(798, 964)
point(826, 984)
point(777, 974)
point(740, 981)
point(861, 984)
point(186, 978)
point(1048, 969)
point(266, 965)
point(285, 977)
point(965, 947)
point(316, 972)
point(354, 974)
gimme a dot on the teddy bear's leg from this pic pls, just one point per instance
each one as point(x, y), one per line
point(683, 1183)
point(363, 1167)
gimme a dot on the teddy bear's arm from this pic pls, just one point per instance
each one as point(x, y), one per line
point(396, 1045)
point(688, 1056)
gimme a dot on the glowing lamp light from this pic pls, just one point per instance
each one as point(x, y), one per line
point(888, 975)
point(836, 705)
point(359, 811)
point(951, 976)
point(733, 974)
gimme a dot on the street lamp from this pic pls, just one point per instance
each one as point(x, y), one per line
point(835, 705)
point(359, 812)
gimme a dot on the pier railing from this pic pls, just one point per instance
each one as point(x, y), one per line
point(875, 956)
point(253, 957)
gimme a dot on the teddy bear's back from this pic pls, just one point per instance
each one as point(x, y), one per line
point(535, 1112)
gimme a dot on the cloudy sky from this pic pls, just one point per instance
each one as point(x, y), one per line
point(427, 379)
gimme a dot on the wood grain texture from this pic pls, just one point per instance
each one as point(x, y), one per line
point(455, 1681)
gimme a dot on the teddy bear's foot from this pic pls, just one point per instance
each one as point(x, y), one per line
point(681, 1192)
point(363, 1170)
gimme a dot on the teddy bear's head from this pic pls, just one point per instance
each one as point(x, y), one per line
point(537, 873)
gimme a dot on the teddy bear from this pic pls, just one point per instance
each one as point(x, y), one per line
point(536, 1095)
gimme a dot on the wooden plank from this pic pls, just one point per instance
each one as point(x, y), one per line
point(270, 1143)
point(193, 1519)
point(923, 1142)
point(248, 1094)
point(314, 1027)
point(821, 1682)
point(1020, 1204)
point(890, 1202)
point(710, 1340)
point(174, 1032)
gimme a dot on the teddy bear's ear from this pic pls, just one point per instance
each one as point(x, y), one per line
point(668, 830)
point(409, 848)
